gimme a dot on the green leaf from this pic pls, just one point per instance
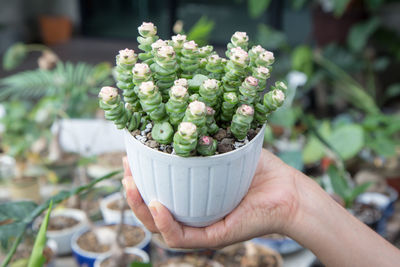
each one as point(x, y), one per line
point(8, 232)
point(340, 7)
point(338, 182)
point(361, 32)
point(302, 59)
point(201, 31)
point(382, 146)
point(298, 4)
point(270, 38)
point(314, 150)
point(141, 264)
point(15, 211)
point(37, 259)
point(257, 7)
point(347, 140)
point(393, 91)
point(359, 190)
point(292, 158)
point(14, 55)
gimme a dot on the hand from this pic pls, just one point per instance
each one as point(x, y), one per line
point(270, 206)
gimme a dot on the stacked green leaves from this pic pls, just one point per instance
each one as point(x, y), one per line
point(189, 92)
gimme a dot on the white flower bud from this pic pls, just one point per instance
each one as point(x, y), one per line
point(252, 81)
point(187, 128)
point(240, 36)
point(197, 108)
point(210, 111)
point(141, 69)
point(158, 44)
point(147, 88)
point(214, 59)
point(211, 84)
point(258, 49)
point(179, 39)
point(108, 93)
point(239, 55)
point(282, 86)
point(127, 56)
point(166, 52)
point(267, 56)
point(191, 45)
point(178, 91)
point(182, 82)
point(262, 70)
point(147, 29)
point(245, 110)
point(278, 96)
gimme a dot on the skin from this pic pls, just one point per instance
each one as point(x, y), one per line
point(280, 200)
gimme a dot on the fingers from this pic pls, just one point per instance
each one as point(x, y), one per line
point(127, 170)
point(177, 235)
point(137, 204)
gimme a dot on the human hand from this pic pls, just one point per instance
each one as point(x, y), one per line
point(270, 206)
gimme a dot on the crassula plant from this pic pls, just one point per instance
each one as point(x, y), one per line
point(186, 94)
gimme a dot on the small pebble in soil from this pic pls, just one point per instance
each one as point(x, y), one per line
point(221, 134)
point(251, 134)
point(142, 139)
point(136, 132)
point(149, 137)
point(152, 144)
point(228, 132)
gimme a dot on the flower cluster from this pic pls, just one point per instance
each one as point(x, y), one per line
point(189, 93)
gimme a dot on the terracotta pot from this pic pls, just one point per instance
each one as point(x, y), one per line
point(328, 29)
point(55, 29)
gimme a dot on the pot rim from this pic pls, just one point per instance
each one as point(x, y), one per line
point(135, 251)
point(94, 255)
point(197, 158)
point(72, 213)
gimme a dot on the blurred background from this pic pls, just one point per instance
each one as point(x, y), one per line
point(340, 124)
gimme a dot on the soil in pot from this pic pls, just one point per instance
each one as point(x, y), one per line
point(367, 213)
point(226, 142)
point(248, 255)
point(188, 261)
point(61, 222)
point(133, 235)
point(128, 259)
point(117, 204)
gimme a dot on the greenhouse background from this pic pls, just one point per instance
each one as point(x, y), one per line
point(340, 123)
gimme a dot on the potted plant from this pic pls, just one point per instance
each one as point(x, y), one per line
point(62, 225)
point(111, 206)
point(132, 255)
point(193, 121)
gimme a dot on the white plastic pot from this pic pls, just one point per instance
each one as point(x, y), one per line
point(63, 237)
point(111, 216)
point(135, 251)
point(197, 190)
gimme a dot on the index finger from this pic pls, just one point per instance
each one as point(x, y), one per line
point(127, 169)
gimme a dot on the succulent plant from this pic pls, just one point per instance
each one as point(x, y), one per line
point(188, 93)
point(206, 146)
point(177, 103)
point(114, 110)
point(185, 139)
point(241, 121)
point(148, 35)
point(196, 113)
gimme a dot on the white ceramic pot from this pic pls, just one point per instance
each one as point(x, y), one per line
point(63, 237)
point(197, 190)
point(111, 216)
point(135, 251)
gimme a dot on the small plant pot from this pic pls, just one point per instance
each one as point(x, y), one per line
point(113, 216)
point(87, 258)
point(197, 190)
point(283, 245)
point(131, 251)
point(161, 249)
point(63, 236)
point(55, 29)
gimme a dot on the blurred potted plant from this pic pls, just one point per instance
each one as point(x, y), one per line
point(182, 109)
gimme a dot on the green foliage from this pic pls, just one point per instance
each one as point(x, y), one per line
point(361, 32)
point(162, 132)
point(293, 158)
point(72, 84)
point(15, 229)
point(270, 38)
point(342, 187)
point(37, 259)
point(302, 60)
point(201, 31)
point(257, 7)
point(339, 7)
point(14, 55)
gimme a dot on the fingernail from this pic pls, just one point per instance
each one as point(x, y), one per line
point(123, 181)
point(153, 208)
